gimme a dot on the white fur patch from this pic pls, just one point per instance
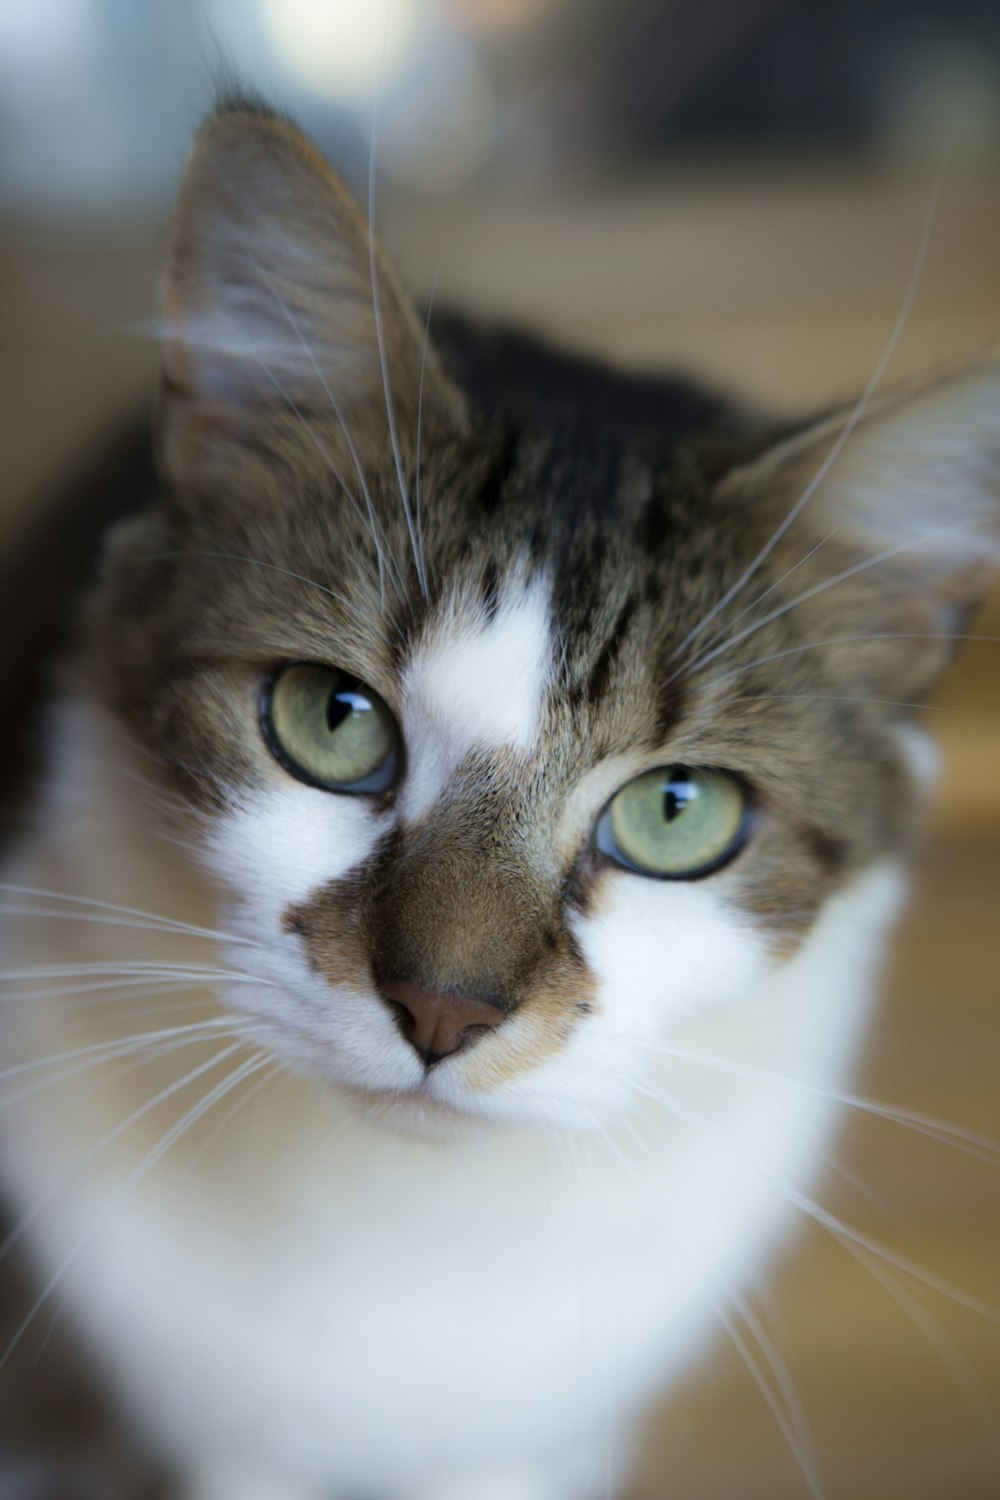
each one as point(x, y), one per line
point(288, 841)
point(255, 1300)
point(475, 683)
point(921, 754)
point(661, 951)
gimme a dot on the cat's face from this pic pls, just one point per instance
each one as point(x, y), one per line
point(511, 718)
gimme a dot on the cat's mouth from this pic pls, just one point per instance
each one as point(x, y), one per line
point(414, 1112)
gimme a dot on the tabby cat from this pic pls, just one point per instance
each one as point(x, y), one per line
point(458, 740)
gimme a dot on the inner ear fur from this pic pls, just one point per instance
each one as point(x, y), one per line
point(903, 510)
point(274, 294)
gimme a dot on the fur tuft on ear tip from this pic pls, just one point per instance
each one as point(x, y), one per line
point(233, 96)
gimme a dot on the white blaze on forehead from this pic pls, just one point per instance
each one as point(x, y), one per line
point(476, 682)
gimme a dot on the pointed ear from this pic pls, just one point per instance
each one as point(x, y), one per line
point(901, 500)
point(274, 294)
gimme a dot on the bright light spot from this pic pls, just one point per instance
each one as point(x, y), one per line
point(342, 49)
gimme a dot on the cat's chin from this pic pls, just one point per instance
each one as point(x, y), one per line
point(415, 1114)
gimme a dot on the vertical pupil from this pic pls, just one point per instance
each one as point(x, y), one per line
point(338, 708)
point(676, 796)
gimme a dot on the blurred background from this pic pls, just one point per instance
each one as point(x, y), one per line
point(739, 187)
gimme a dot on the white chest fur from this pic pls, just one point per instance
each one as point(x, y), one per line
point(347, 1308)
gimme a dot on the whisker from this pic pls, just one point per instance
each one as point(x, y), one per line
point(270, 1075)
point(957, 1367)
point(155, 918)
point(420, 407)
point(383, 558)
point(189, 1119)
point(852, 640)
point(818, 588)
point(790, 1417)
point(144, 994)
point(827, 1220)
point(984, 1147)
point(861, 406)
point(132, 967)
point(139, 1057)
point(276, 229)
point(747, 608)
point(933, 708)
point(383, 361)
point(257, 562)
point(116, 1048)
point(28, 1218)
point(115, 990)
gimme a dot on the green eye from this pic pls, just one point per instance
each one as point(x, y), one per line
point(675, 823)
point(330, 730)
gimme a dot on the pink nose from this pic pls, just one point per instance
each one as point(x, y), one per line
point(437, 1025)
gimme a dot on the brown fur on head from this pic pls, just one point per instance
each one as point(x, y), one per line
point(341, 490)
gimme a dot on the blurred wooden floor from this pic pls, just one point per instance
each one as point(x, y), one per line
point(786, 287)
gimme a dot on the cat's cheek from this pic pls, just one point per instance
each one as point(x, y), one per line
point(271, 855)
point(654, 953)
point(662, 951)
point(287, 841)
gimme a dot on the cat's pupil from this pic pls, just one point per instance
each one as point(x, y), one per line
point(341, 705)
point(676, 795)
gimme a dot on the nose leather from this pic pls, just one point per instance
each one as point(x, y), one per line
point(437, 1024)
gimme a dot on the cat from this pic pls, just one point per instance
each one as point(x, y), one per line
point(459, 743)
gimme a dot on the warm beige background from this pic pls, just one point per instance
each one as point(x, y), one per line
point(785, 287)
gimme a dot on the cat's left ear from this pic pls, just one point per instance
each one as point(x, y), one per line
point(896, 528)
point(275, 296)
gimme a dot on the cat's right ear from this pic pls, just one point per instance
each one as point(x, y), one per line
point(275, 296)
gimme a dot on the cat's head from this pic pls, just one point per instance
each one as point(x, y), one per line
point(522, 708)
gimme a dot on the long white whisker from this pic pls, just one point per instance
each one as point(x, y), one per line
point(115, 990)
point(27, 1219)
point(269, 1076)
point(148, 1052)
point(790, 1418)
point(134, 968)
point(853, 419)
point(924, 1124)
point(849, 640)
point(811, 593)
point(935, 1335)
point(911, 703)
point(384, 363)
point(759, 599)
point(116, 1048)
point(827, 1220)
point(257, 562)
point(167, 923)
point(148, 1162)
point(383, 559)
point(379, 541)
point(420, 408)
